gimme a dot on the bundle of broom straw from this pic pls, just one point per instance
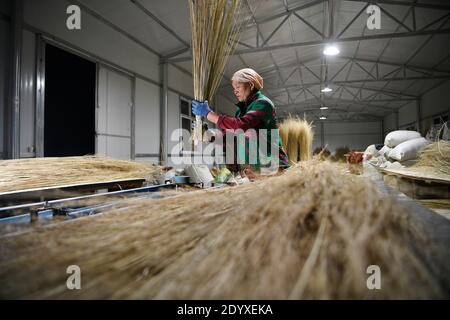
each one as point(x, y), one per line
point(215, 32)
point(315, 239)
point(297, 137)
point(23, 174)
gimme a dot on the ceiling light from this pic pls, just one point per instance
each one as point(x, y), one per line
point(323, 118)
point(323, 108)
point(326, 89)
point(331, 50)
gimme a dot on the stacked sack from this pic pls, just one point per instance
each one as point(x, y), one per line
point(399, 146)
point(403, 145)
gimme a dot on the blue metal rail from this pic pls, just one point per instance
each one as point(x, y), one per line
point(73, 207)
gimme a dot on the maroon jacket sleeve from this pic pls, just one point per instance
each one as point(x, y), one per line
point(251, 119)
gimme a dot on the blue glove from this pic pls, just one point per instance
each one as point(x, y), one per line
point(200, 108)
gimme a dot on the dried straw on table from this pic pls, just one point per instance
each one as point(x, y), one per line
point(339, 154)
point(297, 136)
point(436, 156)
point(215, 32)
point(322, 153)
point(50, 172)
point(313, 240)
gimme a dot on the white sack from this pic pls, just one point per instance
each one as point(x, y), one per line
point(370, 152)
point(384, 151)
point(394, 138)
point(408, 150)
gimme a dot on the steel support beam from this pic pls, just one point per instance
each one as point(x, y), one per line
point(40, 95)
point(331, 14)
point(330, 104)
point(309, 25)
point(324, 42)
point(419, 114)
point(342, 40)
point(376, 100)
point(395, 19)
point(338, 111)
point(406, 4)
point(113, 26)
point(275, 30)
point(12, 128)
point(176, 53)
point(362, 80)
point(322, 135)
point(415, 68)
point(164, 133)
point(352, 21)
point(287, 12)
point(159, 22)
point(388, 92)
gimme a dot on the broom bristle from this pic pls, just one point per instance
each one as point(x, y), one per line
point(297, 136)
point(215, 31)
point(315, 239)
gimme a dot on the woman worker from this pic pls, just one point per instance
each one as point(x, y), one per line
point(254, 111)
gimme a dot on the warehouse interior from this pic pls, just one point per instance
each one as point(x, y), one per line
point(117, 87)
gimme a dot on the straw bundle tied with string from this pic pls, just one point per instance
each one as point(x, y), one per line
point(215, 32)
point(315, 239)
point(297, 137)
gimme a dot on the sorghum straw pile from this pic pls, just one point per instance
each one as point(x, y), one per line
point(25, 174)
point(308, 233)
point(297, 137)
point(215, 32)
point(437, 156)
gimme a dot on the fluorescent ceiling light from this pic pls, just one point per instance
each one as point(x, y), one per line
point(326, 89)
point(331, 50)
point(323, 108)
point(323, 118)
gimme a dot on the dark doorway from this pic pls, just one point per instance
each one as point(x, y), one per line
point(69, 127)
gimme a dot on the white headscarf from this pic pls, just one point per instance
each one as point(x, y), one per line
point(248, 75)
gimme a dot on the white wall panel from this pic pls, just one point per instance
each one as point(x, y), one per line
point(355, 135)
point(407, 114)
point(27, 95)
point(317, 142)
point(390, 123)
point(114, 114)
point(94, 36)
point(148, 160)
point(436, 101)
point(173, 118)
point(351, 128)
point(180, 81)
point(119, 104)
point(115, 147)
point(354, 142)
point(115, 103)
point(433, 103)
point(147, 117)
